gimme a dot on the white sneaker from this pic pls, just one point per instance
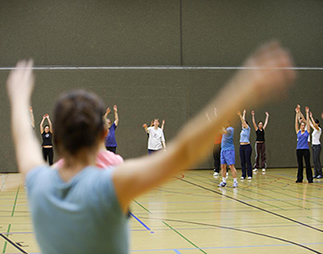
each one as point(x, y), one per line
point(242, 178)
point(249, 177)
point(216, 174)
point(235, 185)
point(255, 170)
point(227, 174)
point(263, 170)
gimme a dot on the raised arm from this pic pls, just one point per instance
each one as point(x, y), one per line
point(145, 127)
point(307, 109)
point(116, 116)
point(20, 85)
point(107, 112)
point(266, 121)
point(313, 124)
point(50, 124)
point(296, 121)
point(32, 117)
point(247, 88)
point(244, 114)
point(254, 120)
point(163, 125)
point(41, 126)
point(242, 119)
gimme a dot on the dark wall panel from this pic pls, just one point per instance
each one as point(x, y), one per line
point(174, 95)
point(222, 33)
point(90, 33)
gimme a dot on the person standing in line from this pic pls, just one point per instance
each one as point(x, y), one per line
point(47, 133)
point(245, 147)
point(228, 155)
point(260, 142)
point(110, 140)
point(316, 146)
point(156, 139)
point(302, 150)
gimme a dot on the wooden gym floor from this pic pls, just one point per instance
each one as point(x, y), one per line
point(190, 214)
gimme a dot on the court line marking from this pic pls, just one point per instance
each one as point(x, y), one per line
point(169, 226)
point(5, 243)
point(253, 206)
point(13, 243)
point(170, 67)
point(241, 230)
point(14, 205)
point(145, 226)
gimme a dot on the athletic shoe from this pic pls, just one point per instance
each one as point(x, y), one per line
point(216, 174)
point(242, 178)
point(249, 177)
point(235, 185)
point(314, 176)
point(263, 170)
point(319, 177)
point(222, 184)
point(227, 174)
point(298, 181)
point(255, 170)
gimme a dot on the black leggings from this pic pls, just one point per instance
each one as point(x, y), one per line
point(216, 157)
point(309, 174)
point(48, 152)
point(245, 157)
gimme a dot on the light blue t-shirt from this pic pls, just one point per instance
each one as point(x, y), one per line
point(80, 216)
point(227, 140)
point(245, 135)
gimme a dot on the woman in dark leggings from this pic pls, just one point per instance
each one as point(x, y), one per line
point(245, 148)
point(47, 132)
point(303, 150)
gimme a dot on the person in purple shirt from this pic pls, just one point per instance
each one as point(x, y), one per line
point(110, 139)
point(302, 150)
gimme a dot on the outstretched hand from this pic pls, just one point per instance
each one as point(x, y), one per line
point(20, 82)
point(163, 122)
point(253, 112)
point(268, 72)
point(307, 109)
point(267, 114)
point(115, 108)
point(108, 111)
point(144, 125)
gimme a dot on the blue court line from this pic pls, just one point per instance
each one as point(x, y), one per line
point(227, 247)
point(177, 251)
point(145, 226)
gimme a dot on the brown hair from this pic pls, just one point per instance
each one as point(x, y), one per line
point(78, 121)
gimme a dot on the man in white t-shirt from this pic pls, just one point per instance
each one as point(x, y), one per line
point(156, 140)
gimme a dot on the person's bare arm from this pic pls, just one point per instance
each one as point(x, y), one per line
point(313, 124)
point(107, 112)
point(296, 122)
point(32, 117)
point(247, 88)
point(145, 127)
point(163, 125)
point(242, 119)
point(50, 124)
point(20, 85)
point(266, 121)
point(307, 109)
point(41, 127)
point(254, 120)
point(116, 116)
point(244, 114)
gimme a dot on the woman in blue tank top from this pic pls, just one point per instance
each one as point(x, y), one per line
point(245, 148)
point(302, 150)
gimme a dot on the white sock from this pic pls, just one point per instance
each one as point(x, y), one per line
point(224, 179)
point(235, 180)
